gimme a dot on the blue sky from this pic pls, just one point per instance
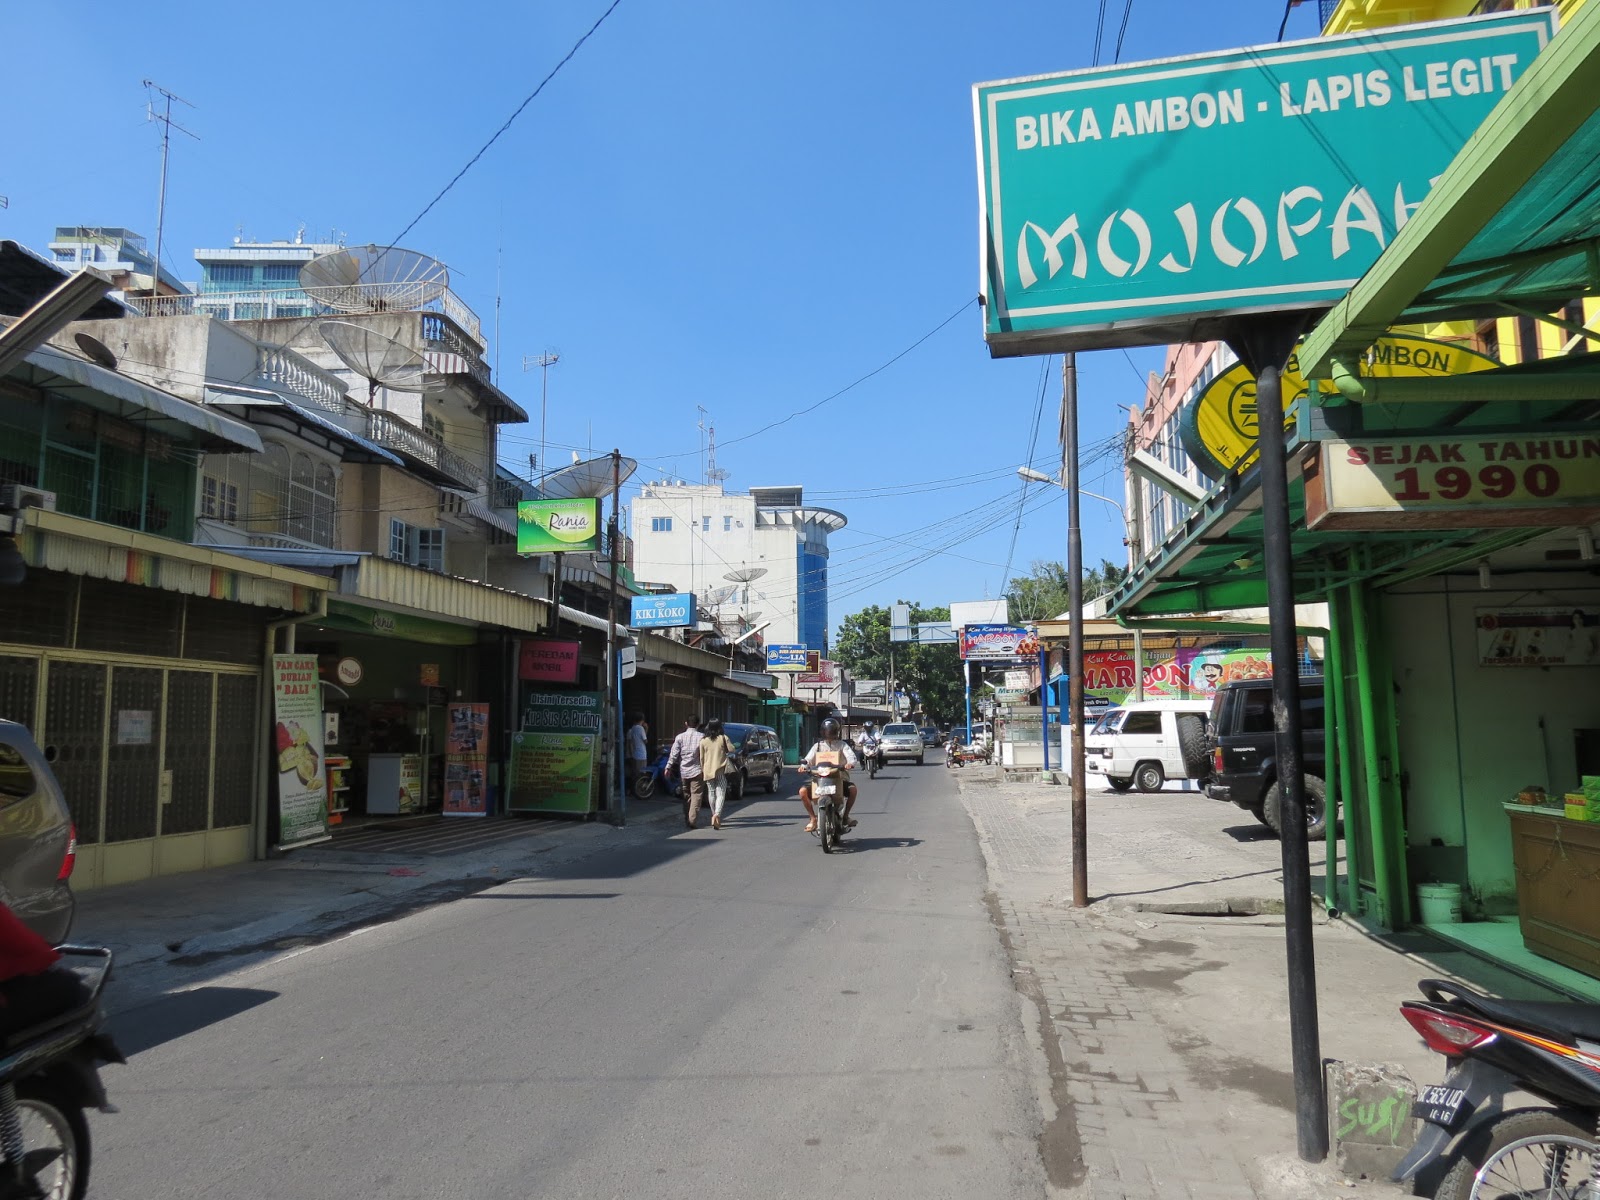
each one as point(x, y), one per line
point(738, 206)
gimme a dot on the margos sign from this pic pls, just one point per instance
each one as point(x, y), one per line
point(1142, 204)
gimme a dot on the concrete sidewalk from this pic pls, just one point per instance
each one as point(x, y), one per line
point(1167, 1032)
point(178, 931)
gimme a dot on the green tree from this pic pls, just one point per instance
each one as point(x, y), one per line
point(1043, 592)
point(932, 673)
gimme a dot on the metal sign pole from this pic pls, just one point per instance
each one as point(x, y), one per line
point(1265, 344)
point(1080, 782)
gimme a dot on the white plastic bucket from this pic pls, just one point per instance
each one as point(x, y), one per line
point(1439, 903)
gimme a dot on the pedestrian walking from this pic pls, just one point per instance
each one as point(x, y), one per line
point(684, 761)
point(638, 748)
point(715, 751)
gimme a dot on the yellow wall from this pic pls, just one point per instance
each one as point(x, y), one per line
point(1352, 15)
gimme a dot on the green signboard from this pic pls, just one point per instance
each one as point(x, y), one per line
point(557, 526)
point(552, 772)
point(1144, 203)
point(356, 618)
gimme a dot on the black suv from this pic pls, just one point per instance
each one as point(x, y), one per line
point(1244, 751)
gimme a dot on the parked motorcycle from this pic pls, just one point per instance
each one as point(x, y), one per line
point(654, 777)
point(49, 1074)
point(1494, 1048)
point(827, 796)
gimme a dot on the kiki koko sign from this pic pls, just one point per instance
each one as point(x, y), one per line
point(1455, 482)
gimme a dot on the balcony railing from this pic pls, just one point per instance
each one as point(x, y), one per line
point(266, 305)
point(392, 433)
point(503, 493)
point(323, 389)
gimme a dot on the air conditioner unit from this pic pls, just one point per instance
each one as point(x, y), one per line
point(16, 497)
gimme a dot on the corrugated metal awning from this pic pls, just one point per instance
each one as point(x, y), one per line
point(488, 516)
point(447, 596)
point(56, 541)
point(107, 391)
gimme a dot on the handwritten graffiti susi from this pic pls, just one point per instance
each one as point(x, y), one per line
point(1383, 1121)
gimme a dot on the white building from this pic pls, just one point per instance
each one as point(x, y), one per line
point(699, 538)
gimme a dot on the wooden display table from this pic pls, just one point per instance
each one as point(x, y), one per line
point(1558, 885)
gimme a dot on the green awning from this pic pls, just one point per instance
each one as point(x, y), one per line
point(1514, 221)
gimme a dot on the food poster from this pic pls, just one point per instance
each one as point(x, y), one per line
point(466, 792)
point(298, 750)
point(1566, 636)
point(1193, 674)
point(552, 772)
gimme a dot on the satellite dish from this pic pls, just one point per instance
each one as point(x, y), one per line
point(374, 279)
point(582, 480)
point(96, 351)
point(378, 358)
point(745, 574)
point(750, 618)
point(718, 596)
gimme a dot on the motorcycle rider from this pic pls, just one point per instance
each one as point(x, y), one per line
point(842, 753)
point(869, 743)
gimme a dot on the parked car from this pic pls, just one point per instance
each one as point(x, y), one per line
point(930, 735)
point(1244, 767)
point(38, 844)
point(983, 734)
point(1143, 744)
point(757, 755)
point(901, 740)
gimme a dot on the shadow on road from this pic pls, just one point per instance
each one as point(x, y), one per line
point(180, 1014)
point(1250, 833)
point(861, 843)
point(545, 896)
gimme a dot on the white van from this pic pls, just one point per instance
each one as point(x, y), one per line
point(1146, 742)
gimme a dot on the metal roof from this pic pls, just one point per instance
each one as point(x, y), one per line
point(27, 277)
point(1514, 221)
point(108, 391)
point(269, 408)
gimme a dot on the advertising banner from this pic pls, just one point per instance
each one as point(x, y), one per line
point(545, 660)
point(1459, 481)
point(663, 612)
point(1567, 636)
point(1187, 675)
point(1007, 695)
point(979, 612)
point(1019, 678)
point(998, 642)
point(820, 674)
point(558, 526)
point(466, 764)
point(786, 659)
point(1219, 429)
point(1283, 171)
point(297, 750)
point(551, 772)
point(552, 757)
point(870, 691)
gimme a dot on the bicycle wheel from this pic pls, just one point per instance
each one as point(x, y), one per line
point(1547, 1166)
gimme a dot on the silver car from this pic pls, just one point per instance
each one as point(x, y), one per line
point(37, 840)
point(901, 740)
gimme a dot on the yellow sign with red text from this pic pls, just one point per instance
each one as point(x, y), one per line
point(1456, 482)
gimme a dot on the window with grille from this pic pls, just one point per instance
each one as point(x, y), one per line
point(219, 500)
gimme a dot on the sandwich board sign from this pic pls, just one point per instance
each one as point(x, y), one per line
point(1146, 203)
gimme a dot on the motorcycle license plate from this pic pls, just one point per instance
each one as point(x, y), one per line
point(1441, 1105)
point(827, 787)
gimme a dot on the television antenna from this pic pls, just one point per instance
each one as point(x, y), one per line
point(544, 362)
point(374, 279)
point(167, 126)
point(379, 359)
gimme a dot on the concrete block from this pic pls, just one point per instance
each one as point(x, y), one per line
point(1370, 1117)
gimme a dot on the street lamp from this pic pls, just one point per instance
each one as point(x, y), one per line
point(1033, 476)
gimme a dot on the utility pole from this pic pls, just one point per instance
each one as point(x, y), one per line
point(615, 777)
point(167, 126)
point(544, 362)
point(1080, 785)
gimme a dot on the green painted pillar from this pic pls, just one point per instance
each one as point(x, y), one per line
point(1375, 692)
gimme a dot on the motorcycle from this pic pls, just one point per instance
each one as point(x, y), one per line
point(1494, 1048)
point(654, 777)
point(49, 1074)
point(827, 795)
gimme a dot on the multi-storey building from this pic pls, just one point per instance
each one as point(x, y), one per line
point(117, 252)
point(762, 556)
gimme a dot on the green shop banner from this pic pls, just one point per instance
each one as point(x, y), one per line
point(558, 526)
point(379, 622)
point(552, 772)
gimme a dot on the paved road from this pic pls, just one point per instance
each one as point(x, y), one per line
point(703, 1015)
